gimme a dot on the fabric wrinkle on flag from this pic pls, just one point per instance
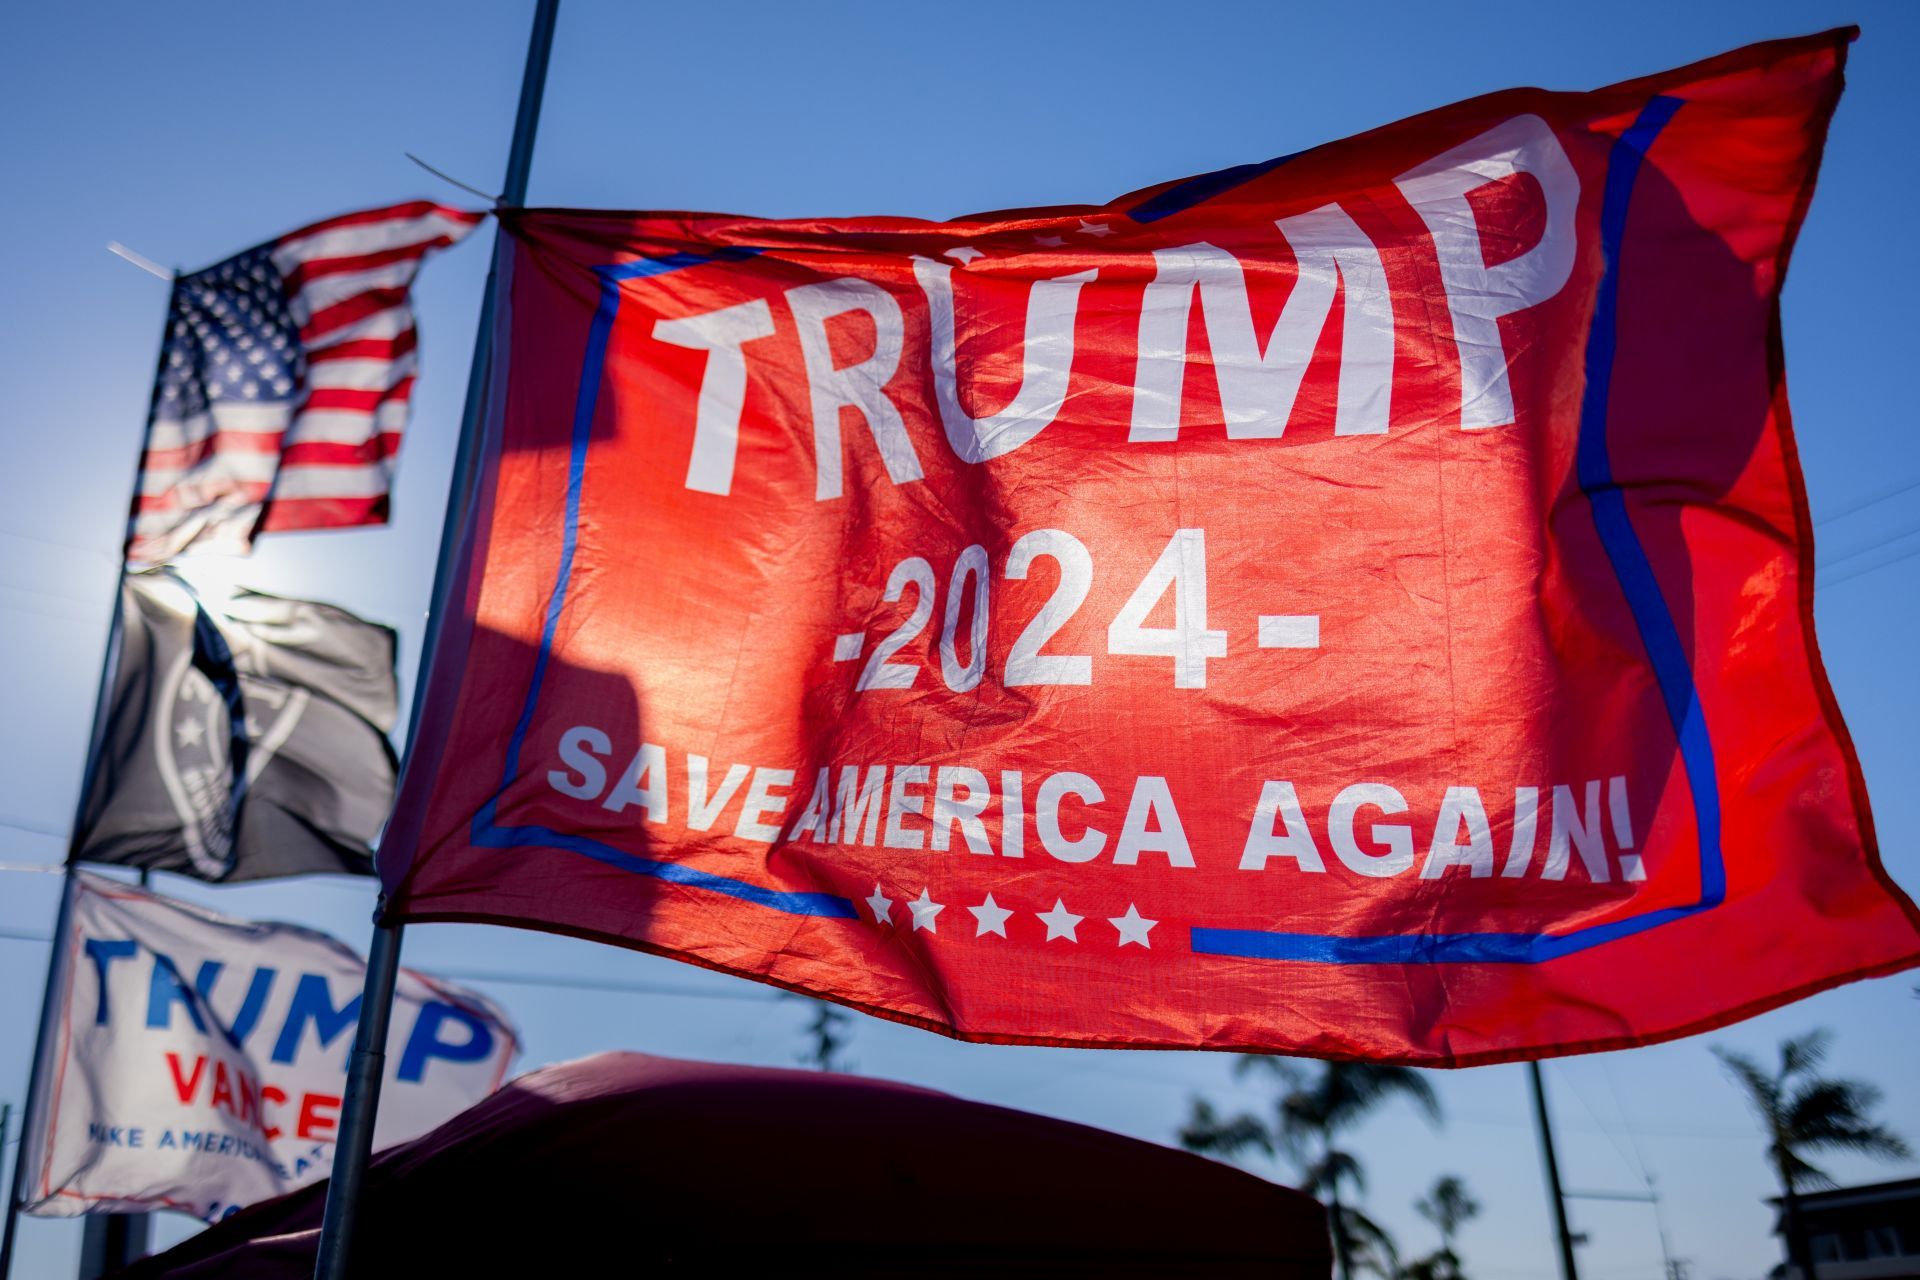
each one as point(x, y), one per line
point(284, 384)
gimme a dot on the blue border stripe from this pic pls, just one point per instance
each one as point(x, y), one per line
point(1652, 618)
point(483, 832)
point(1182, 196)
point(797, 904)
point(585, 402)
point(646, 268)
point(1426, 948)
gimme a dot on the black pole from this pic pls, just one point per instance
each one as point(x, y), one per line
point(96, 736)
point(95, 739)
point(1568, 1269)
point(42, 1042)
point(113, 1241)
point(366, 1067)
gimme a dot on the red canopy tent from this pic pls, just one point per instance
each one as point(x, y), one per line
point(655, 1164)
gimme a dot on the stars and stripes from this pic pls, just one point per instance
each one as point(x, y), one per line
point(284, 384)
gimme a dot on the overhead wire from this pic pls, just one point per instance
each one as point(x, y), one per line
point(1869, 548)
point(531, 979)
point(1864, 570)
point(1605, 1129)
point(1864, 501)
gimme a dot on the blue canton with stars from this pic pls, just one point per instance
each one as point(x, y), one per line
point(231, 338)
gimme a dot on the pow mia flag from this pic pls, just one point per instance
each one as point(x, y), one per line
point(246, 745)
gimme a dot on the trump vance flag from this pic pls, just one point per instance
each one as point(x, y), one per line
point(284, 383)
point(245, 745)
point(1357, 604)
point(198, 1061)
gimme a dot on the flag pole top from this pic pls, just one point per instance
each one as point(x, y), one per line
point(141, 261)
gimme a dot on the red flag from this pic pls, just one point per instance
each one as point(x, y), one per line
point(1357, 604)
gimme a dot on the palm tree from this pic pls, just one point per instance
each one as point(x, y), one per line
point(1311, 1113)
point(1446, 1207)
point(1803, 1111)
point(829, 1031)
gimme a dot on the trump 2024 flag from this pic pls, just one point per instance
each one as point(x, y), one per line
point(198, 1062)
point(1357, 604)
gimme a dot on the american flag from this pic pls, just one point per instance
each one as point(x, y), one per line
point(284, 383)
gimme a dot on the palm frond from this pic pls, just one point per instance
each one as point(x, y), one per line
point(1369, 1247)
point(1286, 1070)
point(1209, 1133)
point(1763, 1091)
point(1801, 1174)
point(1833, 1114)
point(1803, 1054)
point(1333, 1168)
point(1447, 1205)
point(1351, 1089)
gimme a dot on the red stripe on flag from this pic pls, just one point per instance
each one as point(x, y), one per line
point(328, 453)
point(247, 490)
point(367, 348)
point(359, 306)
point(324, 513)
point(315, 268)
point(365, 401)
point(411, 209)
point(187, 455)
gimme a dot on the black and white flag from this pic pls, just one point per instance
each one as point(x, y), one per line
point(243, 744)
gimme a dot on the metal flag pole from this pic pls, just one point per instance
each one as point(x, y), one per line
point(1564, 1235)
point(96, 738)
point(366, 1067)
point(28, 1110)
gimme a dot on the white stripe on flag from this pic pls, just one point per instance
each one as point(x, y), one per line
point(367, 237)
point(367, 481)
point(375, 373)
point(390, 323)
point(178, 528)
point(347, 426)
point(237, 416)
point(321, 293)
point(227, 465)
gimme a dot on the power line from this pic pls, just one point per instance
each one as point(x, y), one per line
point(1867, 500)
point(603, 984)
point(1866, 569)
point(1868, 548)
point(532, 979)
point(1606, 1130)
point(32, 830)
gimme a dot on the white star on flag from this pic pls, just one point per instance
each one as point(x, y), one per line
point(1050, 242)
point(1094, 228)
point(880, 905)
point(964, 254)
point(1133, 926)
point(924, 909)
point(1060, 922)
point(992, 918)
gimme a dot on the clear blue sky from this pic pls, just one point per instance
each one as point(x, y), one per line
point(190, 131)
